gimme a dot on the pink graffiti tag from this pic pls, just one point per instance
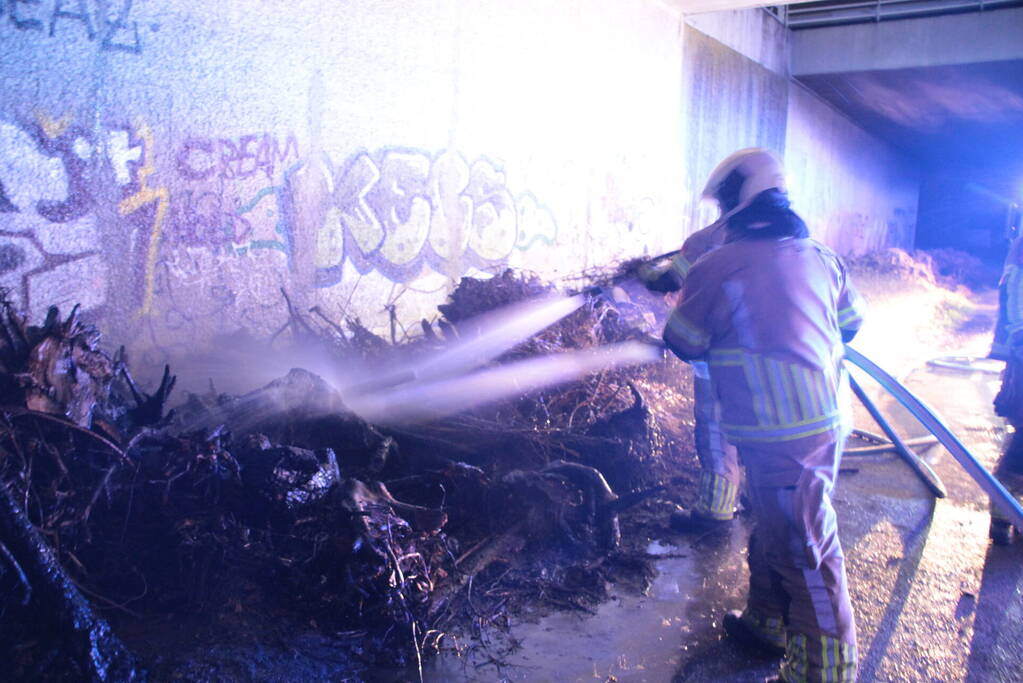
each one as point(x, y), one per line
point(227, 159)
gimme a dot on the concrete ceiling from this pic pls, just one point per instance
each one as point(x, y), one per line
point(940, 79)
point(818, 13)
point(970, 113)
point(945, 89)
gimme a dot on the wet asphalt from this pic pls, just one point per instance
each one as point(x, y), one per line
point(934, 599)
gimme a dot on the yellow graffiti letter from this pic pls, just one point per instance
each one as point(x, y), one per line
point(146, 195)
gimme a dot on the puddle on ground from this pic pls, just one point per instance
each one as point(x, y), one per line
point(632, 638)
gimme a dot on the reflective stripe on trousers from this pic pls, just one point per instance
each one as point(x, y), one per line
point(716, 496)
point(719, 478)
point(834, 657)
point(797, 573)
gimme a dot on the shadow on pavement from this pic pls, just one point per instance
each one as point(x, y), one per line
point(914, 540)
point(998, 623)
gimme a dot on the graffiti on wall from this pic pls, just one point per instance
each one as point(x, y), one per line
point(51, 244)
point(230, 195)
point(109, 24)
point(203, 232)
point(225, 245)
point(237, 205)
point(143, 196)
point(227, 159)
point(398, 211)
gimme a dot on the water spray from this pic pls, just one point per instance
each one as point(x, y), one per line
point(481, 339)
point(418, 402)
point(431, 385)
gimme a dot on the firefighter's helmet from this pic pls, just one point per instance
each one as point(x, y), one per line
point(742, 176)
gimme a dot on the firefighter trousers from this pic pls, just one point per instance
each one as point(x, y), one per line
point(719, 463)
point(1009, 471)
point(798, 593)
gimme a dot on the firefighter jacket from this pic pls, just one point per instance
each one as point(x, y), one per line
point(1010, 303)
point(1008, 339)
point(770, 317)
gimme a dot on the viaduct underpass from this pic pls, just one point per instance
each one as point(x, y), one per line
point(192, 177)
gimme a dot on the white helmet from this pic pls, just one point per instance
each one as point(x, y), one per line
point(756, 169)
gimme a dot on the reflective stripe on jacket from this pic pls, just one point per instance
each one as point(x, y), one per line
point(770, 316)
point(785, 400)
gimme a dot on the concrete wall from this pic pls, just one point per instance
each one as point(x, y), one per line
point(754, 34)
point(172, 166)
point(731, 102)
point(856, 193)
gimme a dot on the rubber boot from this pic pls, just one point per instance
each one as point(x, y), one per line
point(1002, 532)
point(692, 522)
point(766, 636)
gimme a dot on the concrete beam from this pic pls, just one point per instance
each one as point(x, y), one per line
point(753, 33)
point(992, 36)
point(701, 6)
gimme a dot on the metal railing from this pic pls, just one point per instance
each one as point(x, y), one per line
point(831, 13)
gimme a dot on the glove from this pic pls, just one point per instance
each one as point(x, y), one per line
point(659, 276)
point(655, 343)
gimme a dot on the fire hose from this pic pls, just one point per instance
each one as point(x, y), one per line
point(929, 477)
point(965, 363)
point(878, 444)
point(1000, 497)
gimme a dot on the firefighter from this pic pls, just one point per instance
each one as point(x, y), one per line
point(719, 476)
point(1008, 346)
point(768, 311)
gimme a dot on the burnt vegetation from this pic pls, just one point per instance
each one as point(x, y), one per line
point(204, 541)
